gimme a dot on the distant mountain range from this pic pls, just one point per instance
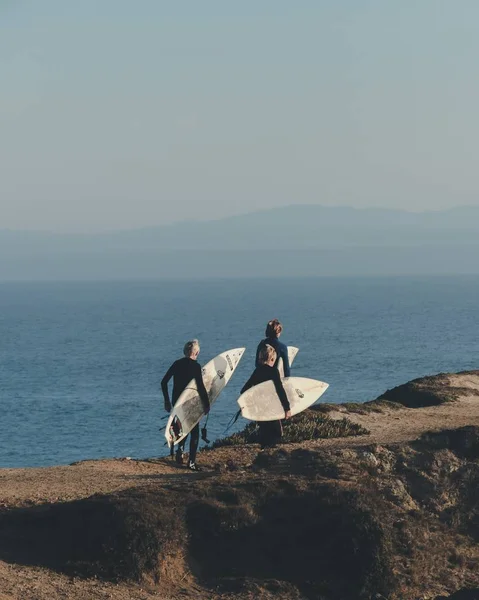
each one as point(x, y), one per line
point(302, 240)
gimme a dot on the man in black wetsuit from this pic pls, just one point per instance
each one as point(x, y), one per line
point(183, 371)
point(273, 331)
point(270, 432)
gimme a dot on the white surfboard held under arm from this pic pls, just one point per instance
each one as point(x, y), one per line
point(261, 402)
point(188, 409)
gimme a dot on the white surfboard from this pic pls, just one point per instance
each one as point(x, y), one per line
point(188, 409)
point(261, 402)
point(292, 352)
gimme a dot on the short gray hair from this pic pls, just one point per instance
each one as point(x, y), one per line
point(191, 347)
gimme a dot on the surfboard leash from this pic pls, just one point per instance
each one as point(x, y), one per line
point(232, 421)
point(204, 430)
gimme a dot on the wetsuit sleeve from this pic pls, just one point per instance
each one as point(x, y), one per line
point(164, 386)
point(256, 363)
point(284, 356)
point(280, 390)
point(249, 384)
point(201, 389)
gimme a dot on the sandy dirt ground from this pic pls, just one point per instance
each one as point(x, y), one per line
point(27, 487)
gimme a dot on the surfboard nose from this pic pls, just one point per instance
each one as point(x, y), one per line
point(236, 354)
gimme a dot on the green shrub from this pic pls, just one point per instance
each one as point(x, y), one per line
point(308, 425)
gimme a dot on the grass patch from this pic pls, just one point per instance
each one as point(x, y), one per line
point(308, 425)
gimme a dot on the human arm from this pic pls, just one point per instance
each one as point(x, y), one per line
point(164, 386)
point(249, 384)
point(256, 362)
point(281, 393)
point(284, 356)
point(202, 390)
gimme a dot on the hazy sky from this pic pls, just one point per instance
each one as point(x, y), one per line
point(115, 113)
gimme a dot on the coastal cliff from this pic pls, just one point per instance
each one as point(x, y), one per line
point(388, 510)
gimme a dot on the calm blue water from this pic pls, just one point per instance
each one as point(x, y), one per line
point(80, 363)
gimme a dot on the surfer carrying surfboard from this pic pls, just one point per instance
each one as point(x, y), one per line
point(270, 432)
point(273, 330)
point(183, 372)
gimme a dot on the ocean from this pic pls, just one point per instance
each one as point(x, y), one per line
point(81, 363)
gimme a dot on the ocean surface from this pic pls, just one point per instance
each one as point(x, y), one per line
point(80, 363)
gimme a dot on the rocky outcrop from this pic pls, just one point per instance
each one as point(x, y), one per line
point(352, 520)
point(434, 390)
point(368, 522)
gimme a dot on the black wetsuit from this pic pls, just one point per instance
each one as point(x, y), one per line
point(269, 431)
point(281, 352)
point(183, 371)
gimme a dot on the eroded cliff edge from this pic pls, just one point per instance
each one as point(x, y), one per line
point(392, 513)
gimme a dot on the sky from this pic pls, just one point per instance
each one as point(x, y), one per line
point(117, 114)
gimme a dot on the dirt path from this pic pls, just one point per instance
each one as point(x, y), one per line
point(394, 426)
point(400, 425)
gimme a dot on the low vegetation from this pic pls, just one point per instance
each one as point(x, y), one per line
point(308, 425)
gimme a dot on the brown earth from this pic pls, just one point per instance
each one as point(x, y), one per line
point(393, 514)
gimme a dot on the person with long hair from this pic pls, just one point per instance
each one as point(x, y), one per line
point(270, 432)
point(273, 331)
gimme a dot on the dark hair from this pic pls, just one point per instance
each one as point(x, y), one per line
point(273, 329)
